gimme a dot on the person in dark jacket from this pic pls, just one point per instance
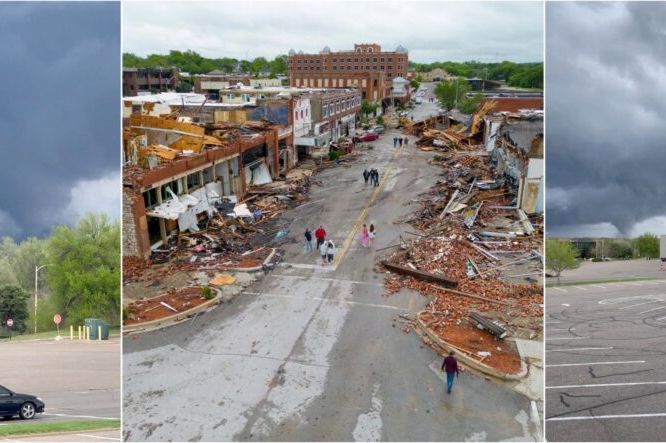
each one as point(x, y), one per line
point(376, 178)
point(308, 240)
point(366, 176)
point(450, 366)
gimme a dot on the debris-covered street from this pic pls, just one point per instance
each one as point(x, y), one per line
point(309, 352)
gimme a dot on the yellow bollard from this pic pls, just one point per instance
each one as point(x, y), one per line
point(79, 332)
point(71, 332)
point(88, 333)
point(99, 333)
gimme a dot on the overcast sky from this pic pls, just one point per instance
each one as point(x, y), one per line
point(606, 118)
point(59, 119)
point(431, 31)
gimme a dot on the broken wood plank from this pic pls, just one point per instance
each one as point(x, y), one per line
point(421, 275)
point(478, 297)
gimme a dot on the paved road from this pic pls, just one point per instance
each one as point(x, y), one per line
point(606, 362)
point(614, 270)
point(76, 380)
point(309, 353)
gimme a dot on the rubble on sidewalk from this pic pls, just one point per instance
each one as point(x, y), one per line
point(478, 256)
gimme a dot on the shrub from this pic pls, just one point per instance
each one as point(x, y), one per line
point(207, 293)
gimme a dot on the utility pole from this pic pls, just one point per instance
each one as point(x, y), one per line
point(37, 268)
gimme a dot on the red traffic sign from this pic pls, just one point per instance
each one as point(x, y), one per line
point(10, 323)
point(57, 319)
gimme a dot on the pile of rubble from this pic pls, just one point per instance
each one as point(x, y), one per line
point(478, 257)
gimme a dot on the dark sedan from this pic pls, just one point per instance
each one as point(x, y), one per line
point(23, 405)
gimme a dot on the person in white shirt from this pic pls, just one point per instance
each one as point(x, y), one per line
point(323, 250)
point(330, 251)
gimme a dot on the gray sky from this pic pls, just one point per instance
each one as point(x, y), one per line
point(60, 115)
point(606, 116)
point(431, 31)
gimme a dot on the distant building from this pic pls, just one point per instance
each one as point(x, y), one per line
point(436, 75)
point(140, 81)
point(211, 83)
point(365, 67)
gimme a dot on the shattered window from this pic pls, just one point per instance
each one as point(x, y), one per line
point(176, 186)
point(150, 198)
point(208, 175)
point(193, 182)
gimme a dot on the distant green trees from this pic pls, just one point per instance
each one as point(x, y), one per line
point(451, 94)
point(194, 63)
point(14, 305)
point(560, 256)
point(647, 245)
point(84, 277)
point(523, 75)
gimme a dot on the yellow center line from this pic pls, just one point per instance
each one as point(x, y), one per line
point(364, 213)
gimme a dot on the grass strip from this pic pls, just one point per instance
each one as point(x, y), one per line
point(28, 428)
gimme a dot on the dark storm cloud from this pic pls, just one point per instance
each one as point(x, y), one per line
point(606, 114)
point(59, 119)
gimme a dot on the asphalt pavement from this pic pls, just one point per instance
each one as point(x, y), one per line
point(82, 436)
point(76, 379)
point(606, 362)
point(313, 352)
point(613, 270)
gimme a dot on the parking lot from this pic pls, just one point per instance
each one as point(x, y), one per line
point(606, 362)
point(76, 379)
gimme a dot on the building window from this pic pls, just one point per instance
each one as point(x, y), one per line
point(355, 59)
point(358, 49)
point(389, 59)
point(231, 96)
point(245, 98)
point(374, 59)
point(374, 68)
point(335, 68)
point(369, 49)
point(349, 60)
point(381, 68)
point(150, 198)
point(355, 67)
point(193, 182)
point(176, 186)
point(335, 60)
point(367, 60)
point(381, 59)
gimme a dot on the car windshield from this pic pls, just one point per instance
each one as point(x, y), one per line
point(4, 392)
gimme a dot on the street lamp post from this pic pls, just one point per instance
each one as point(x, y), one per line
point(37, 268)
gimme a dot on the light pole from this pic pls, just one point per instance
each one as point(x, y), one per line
point(37, 268)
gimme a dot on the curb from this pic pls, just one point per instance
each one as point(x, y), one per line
point(57, 433)
point(172, 319)
point(468, 361)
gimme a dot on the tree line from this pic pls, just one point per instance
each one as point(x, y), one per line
point(79, 276)
point(522, 75)
point(563, 254)
point(191, 62)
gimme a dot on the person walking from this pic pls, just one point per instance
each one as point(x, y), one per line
point(330, 251)
point(366, 175)
point(450, 366)
point(406, 141)
point(376, 178)
point(320, 235)
point(371, 234)
point(395, 141)
point(308, 240)
point(400, 139)
point(364, 238)
point(323, 251)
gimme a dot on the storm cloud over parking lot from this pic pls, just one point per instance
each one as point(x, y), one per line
point(606, 115)
point(60, 114)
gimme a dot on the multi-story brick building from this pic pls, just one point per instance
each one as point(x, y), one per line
point(138, 81)
point(365, 67)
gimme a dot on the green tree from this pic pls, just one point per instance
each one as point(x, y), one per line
point(560, 256)
point(451, 93)
point(471, 105)
point(414, 84)
point(279, 64)
point(647, 245)
point(258, 65)
point(620, 249)
point(14, 305)
point(85, 273)
point(368, 108)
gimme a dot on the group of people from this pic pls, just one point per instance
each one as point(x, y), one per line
point(367, 235)
point(372, 175)
point(399, 141)
point(325, 247)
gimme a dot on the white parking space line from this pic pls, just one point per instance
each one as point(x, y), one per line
point(566, 338)
point(554, 329)
point(559, 289)
point(576, 349)
point(605, 385)
point(639, 304)
point(653, 309)
point(599, 286)
point(580, 288)
point(631, 362)
point(606, 417)
point(98, 436)
point(660, 318)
